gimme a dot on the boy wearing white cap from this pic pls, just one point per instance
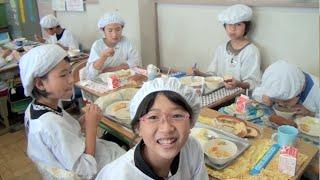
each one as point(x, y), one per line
point(287, 85)
point(238, 57)
point(163, 111)
point(114, 51)
point(55, 138)
point(57, 35)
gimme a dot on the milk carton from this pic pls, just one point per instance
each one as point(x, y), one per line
point(288, 160)
point(113, 82)
point(241, 103)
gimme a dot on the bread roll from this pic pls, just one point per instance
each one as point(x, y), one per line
point(232, 124)
point(252, 132)
point(281, 120)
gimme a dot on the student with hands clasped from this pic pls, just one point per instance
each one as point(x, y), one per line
point(57, 35)
point(114, 51)
point(287, 85)
point(54, 137)
point(163, 111)
point(238, 58)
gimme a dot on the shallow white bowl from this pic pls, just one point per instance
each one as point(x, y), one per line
point(285, 114)
point(220, 145)
point(73, 52)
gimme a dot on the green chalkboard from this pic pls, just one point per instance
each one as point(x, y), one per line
point(3, 16)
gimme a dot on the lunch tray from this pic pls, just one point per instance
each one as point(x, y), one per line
point(217, 95)
point(242, 145)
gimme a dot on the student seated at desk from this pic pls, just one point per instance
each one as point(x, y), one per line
point(114, 51)
point(238, 57)
point(163, 111)
point(289, 86)
point(57, 35)
point(54, 137)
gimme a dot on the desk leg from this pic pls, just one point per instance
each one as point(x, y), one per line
point(4, 114)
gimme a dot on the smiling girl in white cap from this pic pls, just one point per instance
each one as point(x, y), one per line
point(114, 51)
point(57, 35)
point(163, 111)
point(238, 57)
point(54, 137)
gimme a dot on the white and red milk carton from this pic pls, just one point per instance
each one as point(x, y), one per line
point(288, 160)
point(113, 82)
point(241, 103)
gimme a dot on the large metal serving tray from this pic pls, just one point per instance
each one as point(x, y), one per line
point(241, 143)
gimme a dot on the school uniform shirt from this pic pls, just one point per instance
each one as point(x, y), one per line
point(188, 164)
point(244, 67)
point(55, 139)
point(124, 53)
point(310, 96)
point(67, 39)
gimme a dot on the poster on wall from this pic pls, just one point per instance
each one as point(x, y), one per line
point(74, 5)
point(59, 5)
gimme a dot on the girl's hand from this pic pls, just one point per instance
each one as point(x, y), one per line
point(192, 71)
point(39, 38)
point(302, 111)
point(107, 53)
point(266, 100)
point(232, 84)
point(92, 116)
point(82, 121)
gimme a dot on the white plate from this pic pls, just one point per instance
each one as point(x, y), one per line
point(200, 135)
point(309, 125)
point(119, 113)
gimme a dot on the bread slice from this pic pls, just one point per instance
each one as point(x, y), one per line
point(252, 132)
point(231, 124)
point(281, 120)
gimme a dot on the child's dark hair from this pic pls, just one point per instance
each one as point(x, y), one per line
point(247, 27)
point(37, 93)
point(148, 102)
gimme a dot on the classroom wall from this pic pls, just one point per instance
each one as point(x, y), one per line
point(84, 24)
point(191, 33)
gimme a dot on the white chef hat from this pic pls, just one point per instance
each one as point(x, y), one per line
point(110, 18)
point(38, 62)
point(281, 80)
point(49, 21)
point(167, 84)
point(235, 14)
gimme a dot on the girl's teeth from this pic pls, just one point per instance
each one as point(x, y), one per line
point(166, 141)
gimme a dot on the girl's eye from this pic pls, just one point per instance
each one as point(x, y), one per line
point(153, 117)
point(177, 116)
